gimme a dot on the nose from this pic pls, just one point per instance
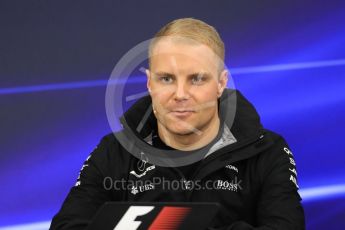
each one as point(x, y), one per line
point(181, 92)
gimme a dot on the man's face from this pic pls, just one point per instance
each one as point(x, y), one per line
point(184, 82)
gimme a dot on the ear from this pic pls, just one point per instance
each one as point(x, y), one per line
point(222, 83)
point(148, 83)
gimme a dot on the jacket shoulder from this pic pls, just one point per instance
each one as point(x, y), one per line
point(109, 156)
point(278, 159)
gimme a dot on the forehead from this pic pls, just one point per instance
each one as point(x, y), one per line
point(182, 55)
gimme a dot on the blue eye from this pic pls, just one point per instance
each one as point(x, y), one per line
point(166, 79)
point(198, 79)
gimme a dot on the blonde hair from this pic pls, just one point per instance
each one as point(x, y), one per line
point(194, 30)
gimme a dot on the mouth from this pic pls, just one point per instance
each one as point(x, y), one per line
point(182, 113)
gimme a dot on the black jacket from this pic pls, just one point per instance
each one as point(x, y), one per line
point(251, 174)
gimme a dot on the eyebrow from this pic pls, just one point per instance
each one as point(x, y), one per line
point(162, 73)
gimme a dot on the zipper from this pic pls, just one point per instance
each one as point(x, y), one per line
point(182, 177)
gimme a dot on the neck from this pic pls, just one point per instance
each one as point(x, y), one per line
point(191, 141)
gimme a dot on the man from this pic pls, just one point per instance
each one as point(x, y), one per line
point(251, 169)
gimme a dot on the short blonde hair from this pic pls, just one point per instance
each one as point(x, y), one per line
point(195, 30)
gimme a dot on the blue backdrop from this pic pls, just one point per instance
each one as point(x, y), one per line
point(286, 57)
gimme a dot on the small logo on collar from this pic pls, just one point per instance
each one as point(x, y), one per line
point(231, 167)
point(142, 168)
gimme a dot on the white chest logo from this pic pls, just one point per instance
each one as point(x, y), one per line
point(142, 188)
point(143, 173)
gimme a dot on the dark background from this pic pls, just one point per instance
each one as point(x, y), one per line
point(286, 57)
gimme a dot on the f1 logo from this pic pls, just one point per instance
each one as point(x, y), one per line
point(169, 218)
point(128, 220)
